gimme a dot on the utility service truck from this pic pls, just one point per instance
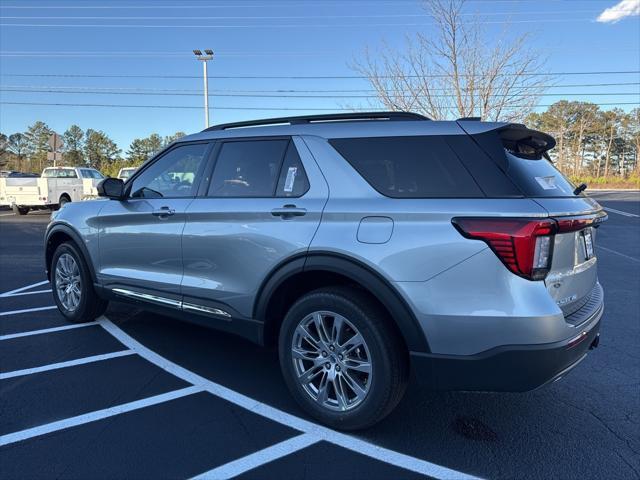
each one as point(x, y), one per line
point(55, 187)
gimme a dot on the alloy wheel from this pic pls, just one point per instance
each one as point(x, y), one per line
point(331, 360)
point(68, 282)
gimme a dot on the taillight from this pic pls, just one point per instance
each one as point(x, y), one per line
point(525, 246)
point(574, 224)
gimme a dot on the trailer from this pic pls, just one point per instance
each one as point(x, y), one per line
point(55, 187)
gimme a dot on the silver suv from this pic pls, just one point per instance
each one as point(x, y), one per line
point(365, 246)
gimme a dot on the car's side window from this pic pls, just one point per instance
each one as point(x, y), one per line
point(247, 168)
point(172, 175)
point(293, 180)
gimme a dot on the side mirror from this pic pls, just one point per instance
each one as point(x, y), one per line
point(111, 188)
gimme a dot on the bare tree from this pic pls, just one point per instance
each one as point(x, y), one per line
point(457, 71)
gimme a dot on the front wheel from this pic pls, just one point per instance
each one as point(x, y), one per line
point(341, 358)
point(72, 285)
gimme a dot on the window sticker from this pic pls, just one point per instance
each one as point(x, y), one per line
point(548, 183)
point(290, 180)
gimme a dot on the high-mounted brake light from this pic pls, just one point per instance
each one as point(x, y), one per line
point(525, 246)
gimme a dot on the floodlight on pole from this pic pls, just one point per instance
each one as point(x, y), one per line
point(204, 58)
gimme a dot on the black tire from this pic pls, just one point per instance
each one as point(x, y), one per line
point(90, 306)
point(64, 198)
point(20, 210)
point(389, 357)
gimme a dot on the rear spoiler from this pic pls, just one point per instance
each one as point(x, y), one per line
point(525, 142)
point(515, 137)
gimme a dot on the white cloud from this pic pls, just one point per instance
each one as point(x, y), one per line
point(625, 8)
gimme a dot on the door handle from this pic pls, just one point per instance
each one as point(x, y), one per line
point(288, 211)
point(163, 212)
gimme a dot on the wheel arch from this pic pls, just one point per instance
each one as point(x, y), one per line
point(58, 234)
point(304, 273)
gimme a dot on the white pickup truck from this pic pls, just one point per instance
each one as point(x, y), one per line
point(55, 187)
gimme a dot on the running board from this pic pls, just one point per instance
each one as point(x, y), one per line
point(172, 303)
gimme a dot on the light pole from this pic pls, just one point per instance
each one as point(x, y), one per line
point(204, 58)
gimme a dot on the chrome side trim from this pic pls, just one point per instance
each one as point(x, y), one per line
point(172, 303)
point(203, 309)
point(148, 297)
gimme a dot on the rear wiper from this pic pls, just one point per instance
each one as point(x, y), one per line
point(580, 188)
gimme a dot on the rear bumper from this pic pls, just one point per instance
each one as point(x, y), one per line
point(508, 369)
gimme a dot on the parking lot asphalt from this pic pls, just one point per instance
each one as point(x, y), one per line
point(138, 395)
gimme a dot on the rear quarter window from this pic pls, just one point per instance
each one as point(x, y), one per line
point(408, 167)
point(534, 175)
point(538, 178)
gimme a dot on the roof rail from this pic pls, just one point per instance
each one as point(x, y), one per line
point(333, 117)
point(469, 119)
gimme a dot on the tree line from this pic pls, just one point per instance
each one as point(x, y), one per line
point(27, 151)
point(591, 142)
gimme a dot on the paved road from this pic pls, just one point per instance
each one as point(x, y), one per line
point(163, 373)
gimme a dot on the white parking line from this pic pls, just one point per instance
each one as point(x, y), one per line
point(320, 432)
point(94, 416)
point(27, 310)
point(46, 330)
point(70, 363)
point(617, 253)
point(25, 293)
point(22, 289)
point(256, 459)
point(620, 212)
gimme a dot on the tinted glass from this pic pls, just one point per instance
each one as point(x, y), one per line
point(172, 175)
point(486, 173)
point(293, 180)
point(409, 167)
point(538, 178)
point(247, 169)
point(87, 173)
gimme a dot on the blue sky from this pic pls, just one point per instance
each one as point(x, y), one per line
point(261, 38)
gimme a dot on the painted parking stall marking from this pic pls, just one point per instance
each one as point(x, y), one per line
point(620, 212)
point(259, 458)
point(320, 432)
point(27, 310)
point(44, 331)
point(310, 433)
point(22, 289)
point(70, 363)
point(94, 416)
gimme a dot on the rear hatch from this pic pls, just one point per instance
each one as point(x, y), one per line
point(522, 154)
point(21, 191)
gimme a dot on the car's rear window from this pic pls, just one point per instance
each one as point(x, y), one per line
point(409, 167)
point(533, 174)
point(538, 178)
point(59, 173)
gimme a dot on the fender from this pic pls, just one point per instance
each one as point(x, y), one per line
point(359, 273)
point(69, 231)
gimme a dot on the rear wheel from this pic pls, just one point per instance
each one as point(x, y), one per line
point(341, 359)
point(63, 200)
point(72, 285)
point(20, 210)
